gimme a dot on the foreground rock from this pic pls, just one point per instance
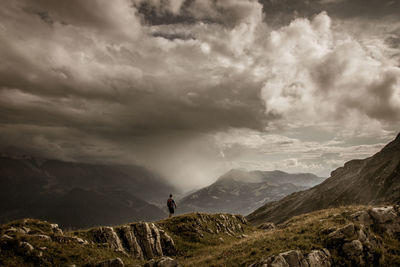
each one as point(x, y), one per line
point(358, 243)
point(117, 262)
point(197, 226)
point(140, 240)
point(295, 258)
point(162, 262)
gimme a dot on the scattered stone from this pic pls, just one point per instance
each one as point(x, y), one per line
point(336, 238)
point(81, 241)
point(319, 258)
point(162, 262)
point(11, 230)
point(130, 242)
point(268, 226)
point(167, 244)
point(5, 238)
point(26, 229)
point(43, 248)
point(117, 262)
point(27, 247)
point(56, 229)
point(42, 237)
point(221, 239)
point(166, 262)
point(353, 248)
point(295, 258)
point(108, 236)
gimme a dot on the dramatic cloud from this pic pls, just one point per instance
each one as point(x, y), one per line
point(193, 88)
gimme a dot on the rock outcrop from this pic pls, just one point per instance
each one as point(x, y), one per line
point(117, 262)
point(196, 226)
point(141, 240)
point(162, 262)
point(358, 243)
point(295, 258)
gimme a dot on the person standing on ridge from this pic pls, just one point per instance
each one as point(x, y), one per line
point(171, 206)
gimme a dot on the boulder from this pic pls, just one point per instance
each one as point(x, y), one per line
point(162, 262)
point(319, 258)
point(42, 237)
point(167, 244)
point(268, 226)
point(340, 235)
point(130, 242)
point(28, 248)
point(294, 258)
point(353, 248)
point(117, 262)
point(56, 229)
point(107, 235)
point(148, 238)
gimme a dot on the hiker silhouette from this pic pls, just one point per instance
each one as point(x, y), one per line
point(171, 206)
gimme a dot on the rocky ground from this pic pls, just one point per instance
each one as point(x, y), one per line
point(348, 236)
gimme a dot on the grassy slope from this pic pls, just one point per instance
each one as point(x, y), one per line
point(305, 232)
point(55, 254)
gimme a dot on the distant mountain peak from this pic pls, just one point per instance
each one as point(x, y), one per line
point(374, 180)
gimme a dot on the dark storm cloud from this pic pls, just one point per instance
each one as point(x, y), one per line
point(161, 82)
point(283, 11)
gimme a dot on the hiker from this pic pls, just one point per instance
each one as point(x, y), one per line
point(171, 206)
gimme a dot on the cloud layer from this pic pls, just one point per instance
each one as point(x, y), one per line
point(192, 88)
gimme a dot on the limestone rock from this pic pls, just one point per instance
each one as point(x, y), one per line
point(130, 242)
point(42, 237)
point(268, 226)
point(167, 244)
point(28, 248)
point(107, 235)
point(353, 248)
point(56, 229)
point(295, 258)
point(117, 262)
point(319, 258)
point(162, 262)
point(337, 237)
point(148, 238)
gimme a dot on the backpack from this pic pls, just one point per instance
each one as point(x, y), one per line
point(170, 203)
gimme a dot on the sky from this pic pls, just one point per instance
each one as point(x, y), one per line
point(193, 88)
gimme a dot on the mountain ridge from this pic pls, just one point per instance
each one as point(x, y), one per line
point(60, 191)
point(240, 192)
point(374, 180)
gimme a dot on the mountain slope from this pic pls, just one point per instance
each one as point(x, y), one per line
point(77, 194)
point(241, 192)
point(373, 180)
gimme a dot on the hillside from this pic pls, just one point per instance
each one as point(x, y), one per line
point(79, 195)
point(241, 192)
point(373, 180)
point(346, 236)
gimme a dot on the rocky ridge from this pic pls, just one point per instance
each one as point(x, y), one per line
point(355, 244)
point(141, 240)
point(146, 243)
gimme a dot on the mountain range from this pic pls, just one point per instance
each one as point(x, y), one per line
point(371, 181)
point(241, 192)
point(79, 194)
